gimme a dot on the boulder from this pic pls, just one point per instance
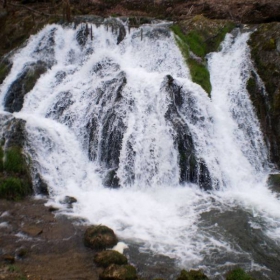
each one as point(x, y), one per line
point(99, 237)
point(106, 258)
point(119, 272)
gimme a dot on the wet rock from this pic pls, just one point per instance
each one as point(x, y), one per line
point(69, 200)
point(99, 237)
point(23, 84)
point(192, 275)
point(273, 182)
point(32, 230)
point(111, 179)
point(41, 186)
point(106, 258)
point(119, 272)
point(192, 169)
point(53, 209)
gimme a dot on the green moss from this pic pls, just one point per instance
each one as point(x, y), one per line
point(198, 70)
point(14, 161)
point(192, 275)
point(238, 274)
point(14, 188)
point(200, 75)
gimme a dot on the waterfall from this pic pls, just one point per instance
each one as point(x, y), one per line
point(116, 121)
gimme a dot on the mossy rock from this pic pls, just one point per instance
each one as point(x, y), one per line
point(100, 237)
point(106, 258)
point(192, 275)
point(238, 274)
point(119, 272)
point(14, 160)
point(14, 188)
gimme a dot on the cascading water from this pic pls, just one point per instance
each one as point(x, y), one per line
point(115, 121)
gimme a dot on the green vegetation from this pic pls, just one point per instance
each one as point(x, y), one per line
point(200, 39)
point(15, 182)
point(199, 71)
point(14, 188)
point(238, 274)
point(14, 161)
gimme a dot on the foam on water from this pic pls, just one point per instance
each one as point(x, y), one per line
point(153, 209)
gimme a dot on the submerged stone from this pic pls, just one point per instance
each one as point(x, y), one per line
point(106, 258)
point(100, 237)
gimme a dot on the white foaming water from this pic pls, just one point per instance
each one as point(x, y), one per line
point(86, 83)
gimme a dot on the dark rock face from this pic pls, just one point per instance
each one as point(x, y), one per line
point(100, 237)
point(40, 186)
point(108, 123)
point(22, 85)
point(111, 179)
point(192, 169)
point(265, 52)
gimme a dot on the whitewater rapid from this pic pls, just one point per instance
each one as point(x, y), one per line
point(152, 207)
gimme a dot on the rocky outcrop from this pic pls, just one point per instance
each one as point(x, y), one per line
point(265, 93)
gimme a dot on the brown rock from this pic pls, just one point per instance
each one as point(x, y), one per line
point(119, 272)
point(106, 258)
point(100, 237)
point(32, 230)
